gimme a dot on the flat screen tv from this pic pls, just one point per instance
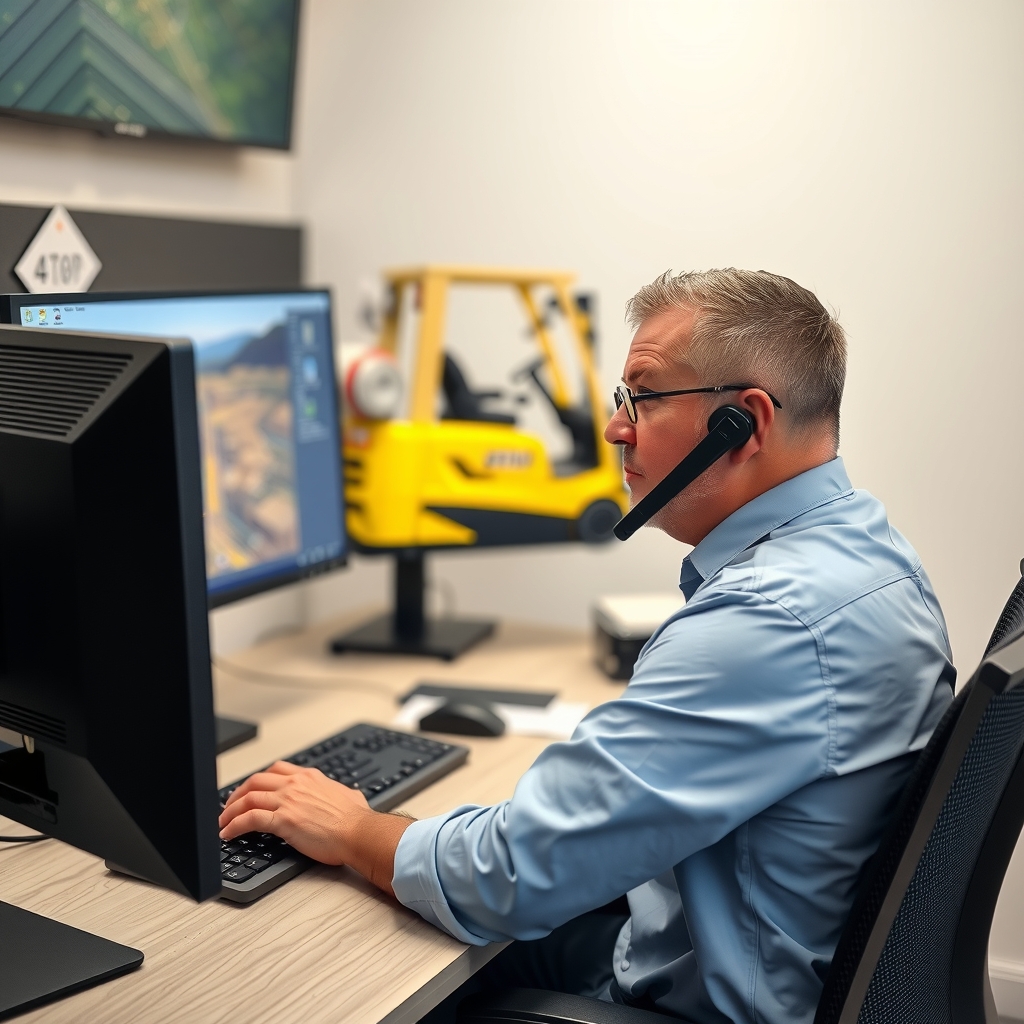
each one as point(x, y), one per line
point(221, 70)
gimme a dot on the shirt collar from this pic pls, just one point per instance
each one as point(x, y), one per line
point(689, 578)
point(761, 515)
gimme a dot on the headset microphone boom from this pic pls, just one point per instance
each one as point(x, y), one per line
point(729, 427)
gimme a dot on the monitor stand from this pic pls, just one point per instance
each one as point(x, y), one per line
point(45, 960)
point(407, 630)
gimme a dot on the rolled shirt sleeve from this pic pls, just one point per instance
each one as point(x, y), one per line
point(727, 712)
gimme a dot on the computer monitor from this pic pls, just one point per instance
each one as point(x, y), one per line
point(268, 419)
point(104, 645)
point(210, 70)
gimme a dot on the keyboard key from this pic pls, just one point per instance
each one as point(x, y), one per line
point(371, 760)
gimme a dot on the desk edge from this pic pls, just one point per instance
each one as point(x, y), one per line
point(443, 984)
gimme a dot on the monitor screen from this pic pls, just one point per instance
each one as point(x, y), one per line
point(197, 68)
point(268, 421)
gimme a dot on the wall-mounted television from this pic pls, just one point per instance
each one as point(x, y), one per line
point(222, 70)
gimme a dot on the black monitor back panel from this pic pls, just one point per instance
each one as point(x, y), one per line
point(164, 253)
point(104, 649)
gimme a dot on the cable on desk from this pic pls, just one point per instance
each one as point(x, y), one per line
point(23, 839)
point(258, 676)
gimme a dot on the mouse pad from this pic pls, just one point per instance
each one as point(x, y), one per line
point(479, 695)
point(543, 715)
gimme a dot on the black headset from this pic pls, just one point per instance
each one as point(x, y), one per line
point(729, 427)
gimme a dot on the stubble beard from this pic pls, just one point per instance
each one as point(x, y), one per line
point(674, 515)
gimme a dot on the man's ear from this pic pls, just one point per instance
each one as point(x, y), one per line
point(761, 409)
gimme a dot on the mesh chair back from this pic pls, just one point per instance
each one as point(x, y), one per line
point(911, 979)
point(1011, 620)
point(935, 879)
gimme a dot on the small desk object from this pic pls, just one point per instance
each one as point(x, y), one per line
point(326, 946)
point(32, 948)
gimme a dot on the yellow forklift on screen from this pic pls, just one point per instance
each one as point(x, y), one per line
point(454, 473)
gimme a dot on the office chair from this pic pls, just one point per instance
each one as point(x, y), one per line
point(915, 946)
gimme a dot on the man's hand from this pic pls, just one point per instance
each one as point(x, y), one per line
point(320, 818)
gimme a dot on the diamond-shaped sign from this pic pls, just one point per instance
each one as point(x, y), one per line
point(58, 259)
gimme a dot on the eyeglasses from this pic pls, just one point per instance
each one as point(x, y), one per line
point(624, 396)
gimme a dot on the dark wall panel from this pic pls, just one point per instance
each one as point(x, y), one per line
point(156, 253)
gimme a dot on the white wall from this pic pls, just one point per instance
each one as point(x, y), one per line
point(871, 151)
point(42, 165)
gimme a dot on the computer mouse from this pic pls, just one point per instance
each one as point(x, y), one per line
point(463, 718)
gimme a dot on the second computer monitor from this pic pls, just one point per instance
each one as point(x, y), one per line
point(268, 420)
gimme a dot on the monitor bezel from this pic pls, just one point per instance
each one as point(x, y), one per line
point(130, 129)
point(11, 302)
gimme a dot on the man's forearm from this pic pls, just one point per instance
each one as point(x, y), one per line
point(372, 846)
point(319, 817)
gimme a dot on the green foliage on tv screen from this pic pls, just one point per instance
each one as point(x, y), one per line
point(219, 68)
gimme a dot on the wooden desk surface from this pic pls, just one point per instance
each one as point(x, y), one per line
point(325, 946)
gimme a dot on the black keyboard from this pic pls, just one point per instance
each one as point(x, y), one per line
point(385, 765)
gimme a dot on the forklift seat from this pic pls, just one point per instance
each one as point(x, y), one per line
point(463, 403)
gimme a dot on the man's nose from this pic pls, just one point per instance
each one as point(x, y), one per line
point(619, 429)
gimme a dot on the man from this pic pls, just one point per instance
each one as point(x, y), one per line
point(737, 787)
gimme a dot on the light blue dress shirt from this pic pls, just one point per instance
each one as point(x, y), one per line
point(736, 788)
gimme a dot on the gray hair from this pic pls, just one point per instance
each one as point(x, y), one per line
point(750, 325)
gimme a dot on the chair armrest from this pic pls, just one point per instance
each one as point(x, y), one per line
point(537, 1006)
